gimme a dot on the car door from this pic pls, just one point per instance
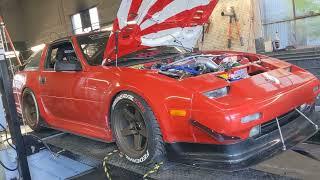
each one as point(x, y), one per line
point(58, 90)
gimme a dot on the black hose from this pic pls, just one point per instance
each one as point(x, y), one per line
point(7, 139)
point(9, 169)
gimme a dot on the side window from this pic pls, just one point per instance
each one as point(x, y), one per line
point(33, 61)
point(60, 52)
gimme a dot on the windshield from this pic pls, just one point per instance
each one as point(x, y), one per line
point(149, 55)
point(93, 46)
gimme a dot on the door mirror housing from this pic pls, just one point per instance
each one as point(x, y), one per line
point(66, 66)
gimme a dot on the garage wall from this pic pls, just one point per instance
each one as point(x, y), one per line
point(250, 23)
point(51, 19)
point(11, 12)
point(38, 21)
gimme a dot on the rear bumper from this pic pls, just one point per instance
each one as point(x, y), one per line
point(245, 153)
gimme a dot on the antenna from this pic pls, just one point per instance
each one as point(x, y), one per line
point(116, 46)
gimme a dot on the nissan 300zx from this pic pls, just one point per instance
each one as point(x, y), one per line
point(145, 88)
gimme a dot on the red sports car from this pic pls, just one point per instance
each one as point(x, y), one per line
point(144, 87)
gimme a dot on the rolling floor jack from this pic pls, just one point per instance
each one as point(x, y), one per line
point(233, 18)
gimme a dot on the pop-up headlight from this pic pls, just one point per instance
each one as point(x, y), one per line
point(217, 93)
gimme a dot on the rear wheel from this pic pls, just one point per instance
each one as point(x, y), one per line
point(30, 111)
point(136, 129)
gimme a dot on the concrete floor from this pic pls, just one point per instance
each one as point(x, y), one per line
point(292, 164)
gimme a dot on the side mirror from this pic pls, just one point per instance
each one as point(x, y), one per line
point(66, 66)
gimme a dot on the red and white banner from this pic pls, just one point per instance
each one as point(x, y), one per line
point(149, 23)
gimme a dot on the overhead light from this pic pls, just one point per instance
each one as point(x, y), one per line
point(38, 47)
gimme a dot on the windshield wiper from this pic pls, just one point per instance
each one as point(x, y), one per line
point(140, 60)
point(130, 61)
point(167, 54)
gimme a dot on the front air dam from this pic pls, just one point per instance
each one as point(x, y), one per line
point(246, 153)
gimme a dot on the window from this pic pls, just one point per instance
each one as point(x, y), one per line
point(93, 47)
point(33, 61)
point(60, 52)
point(85, 21)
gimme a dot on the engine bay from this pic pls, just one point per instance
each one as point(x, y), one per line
point(226, 66)
point(203, 64)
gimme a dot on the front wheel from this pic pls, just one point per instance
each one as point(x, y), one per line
point(136, 129)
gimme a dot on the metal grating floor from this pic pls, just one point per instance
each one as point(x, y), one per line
point(92, 153)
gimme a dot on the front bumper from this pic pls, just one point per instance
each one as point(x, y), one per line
point(245, 153)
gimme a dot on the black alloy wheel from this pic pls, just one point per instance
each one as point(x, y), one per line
point(131, 129)
point(136, 130)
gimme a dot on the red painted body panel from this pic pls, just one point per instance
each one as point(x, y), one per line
point(79, 102)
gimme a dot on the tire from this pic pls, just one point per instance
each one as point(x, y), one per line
point(136, 130)
point(30, 110)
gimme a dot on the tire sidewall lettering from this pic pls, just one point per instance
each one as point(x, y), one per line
point(131, 98)
point(137, 102)
point(122, 96)
point(140, 160)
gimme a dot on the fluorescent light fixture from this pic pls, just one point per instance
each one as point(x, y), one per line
point(37, 47)
point(10, 54)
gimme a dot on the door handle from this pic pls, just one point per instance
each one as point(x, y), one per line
point(42, 80)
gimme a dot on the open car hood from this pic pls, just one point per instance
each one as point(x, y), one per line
point(149, 23)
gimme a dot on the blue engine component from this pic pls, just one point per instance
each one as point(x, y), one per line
point(188, 69)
